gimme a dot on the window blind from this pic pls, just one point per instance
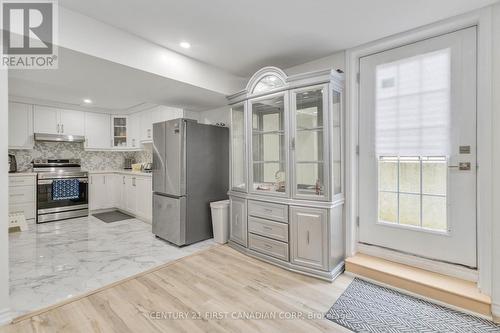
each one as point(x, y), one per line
point(413, 106)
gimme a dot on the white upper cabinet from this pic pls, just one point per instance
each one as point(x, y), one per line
point(119, 131)
point(49, 120)
point(97, 131)
point(20, 126)
point(46, 120)
point(156, 115)
point(146, 121)
point(72, 122)
point(134, 130)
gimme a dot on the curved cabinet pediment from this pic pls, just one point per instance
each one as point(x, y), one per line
point(266, 80)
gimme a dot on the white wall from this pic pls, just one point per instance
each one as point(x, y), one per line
point(333, 61)
point(4, 235)
point(496, 163)
point(219, 115)
point(87, 35)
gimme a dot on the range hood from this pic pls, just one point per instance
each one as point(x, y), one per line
point(59, 137)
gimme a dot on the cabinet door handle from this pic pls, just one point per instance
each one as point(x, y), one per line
point(307, 237)
point(104, 180)
point(91, 180)
point(123, 180)
point(58, 128)
point(62, 128)
point(133, 181)
point(292, 144)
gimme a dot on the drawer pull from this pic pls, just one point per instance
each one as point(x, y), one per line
point(17, 195)
point(267, 246)
point(267, 227)
point(269, 210)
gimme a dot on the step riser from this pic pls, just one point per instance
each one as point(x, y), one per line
point(420, 289)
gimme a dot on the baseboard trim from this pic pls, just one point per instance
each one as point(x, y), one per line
point(5, 316)
point(457, 271)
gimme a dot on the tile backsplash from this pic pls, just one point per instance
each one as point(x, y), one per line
point(91, 160)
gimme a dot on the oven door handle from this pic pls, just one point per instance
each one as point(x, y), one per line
point(50, 181)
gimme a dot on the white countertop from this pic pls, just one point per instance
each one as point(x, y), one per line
point(22, 174)
point(120, 172)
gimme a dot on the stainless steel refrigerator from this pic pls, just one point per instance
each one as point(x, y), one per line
point(190, 170)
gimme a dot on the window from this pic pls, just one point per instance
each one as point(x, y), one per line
point(412, 191)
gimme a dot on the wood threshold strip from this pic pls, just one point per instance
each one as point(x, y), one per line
point(108, 286)
point(450, 290)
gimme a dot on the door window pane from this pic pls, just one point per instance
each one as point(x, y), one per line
point(388, 207)
point(409, 175)
point(434, 212)
point(388, 174)
point(434, 173)
point(409, 209)
point(412, 191)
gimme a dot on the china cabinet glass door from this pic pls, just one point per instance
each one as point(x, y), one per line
point(238, 148)
point(269, 144)
point(309, 140)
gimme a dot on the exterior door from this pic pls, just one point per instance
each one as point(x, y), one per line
point(417, 148)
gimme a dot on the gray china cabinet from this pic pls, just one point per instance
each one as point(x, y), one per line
point(287, 170)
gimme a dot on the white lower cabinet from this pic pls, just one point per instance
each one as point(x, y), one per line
point(130, 193)
point(309, 237)
point(144, 195)
point(102, 191)
point(238, 225)
point(22, 194)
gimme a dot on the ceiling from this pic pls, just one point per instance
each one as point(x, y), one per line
point(113, 88)
point(242, 36)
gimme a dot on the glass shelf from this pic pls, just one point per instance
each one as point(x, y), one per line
point(268, 145)
point(309, 170)
point(238, 146)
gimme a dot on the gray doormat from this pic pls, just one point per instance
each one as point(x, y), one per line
point(113, 216)
point(366, 307)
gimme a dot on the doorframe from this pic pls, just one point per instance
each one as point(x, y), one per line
point(481, 18)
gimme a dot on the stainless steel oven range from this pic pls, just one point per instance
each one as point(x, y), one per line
point(62, 189)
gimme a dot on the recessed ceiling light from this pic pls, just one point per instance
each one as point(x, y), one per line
point(87, 101)
point(185, 45)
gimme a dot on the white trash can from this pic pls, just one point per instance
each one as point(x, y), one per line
point(220, 220)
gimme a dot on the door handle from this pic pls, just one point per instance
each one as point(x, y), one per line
point(462, 166)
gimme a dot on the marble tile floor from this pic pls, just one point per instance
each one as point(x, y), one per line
point(54, 261)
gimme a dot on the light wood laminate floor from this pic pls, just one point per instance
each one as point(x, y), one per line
point(210, 291)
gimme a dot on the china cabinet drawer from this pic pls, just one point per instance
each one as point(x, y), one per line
point(28, 209)
point(271, 211)
point(22, 181)
point(268, 246)
point(275, 230)
point(21, 194)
